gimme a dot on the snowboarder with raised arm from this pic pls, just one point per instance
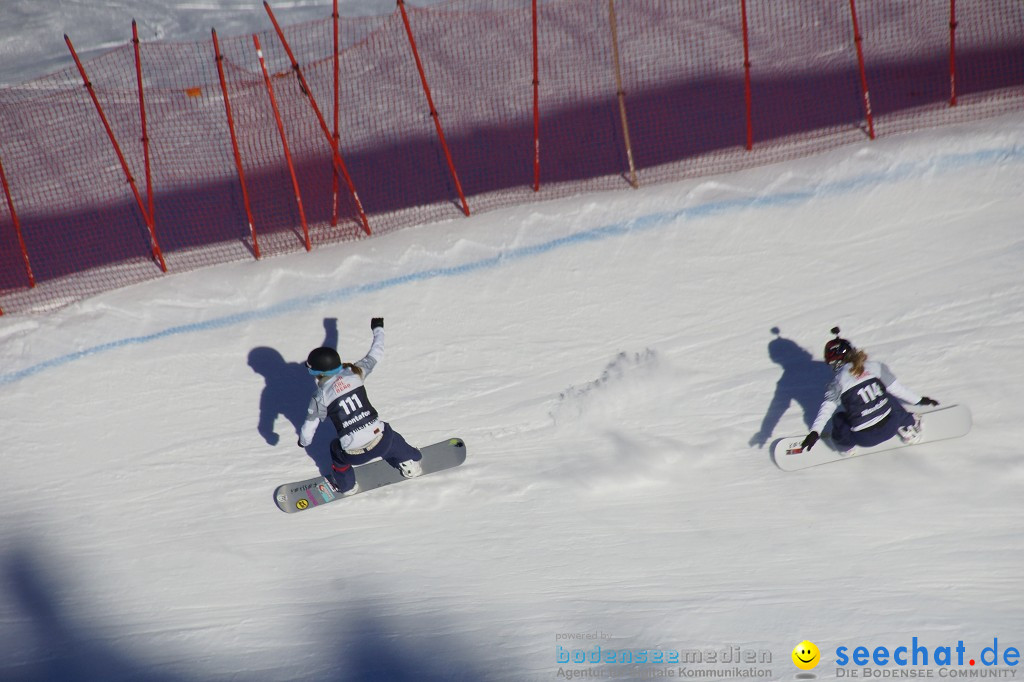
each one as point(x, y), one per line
point(863, 401)
point(341, 397)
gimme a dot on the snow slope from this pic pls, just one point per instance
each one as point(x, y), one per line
point(614, 362)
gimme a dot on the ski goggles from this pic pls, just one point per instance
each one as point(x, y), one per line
point(319, 372)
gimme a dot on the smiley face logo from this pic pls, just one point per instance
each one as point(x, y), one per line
point(806, 655)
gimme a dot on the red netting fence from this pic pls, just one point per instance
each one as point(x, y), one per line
point(696, 87)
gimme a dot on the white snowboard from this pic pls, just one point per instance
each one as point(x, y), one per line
point(941, 424)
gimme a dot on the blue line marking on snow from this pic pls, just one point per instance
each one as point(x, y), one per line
point(906, 171)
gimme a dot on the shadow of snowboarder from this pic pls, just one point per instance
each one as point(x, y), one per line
point(286, 392)
point(803, 381)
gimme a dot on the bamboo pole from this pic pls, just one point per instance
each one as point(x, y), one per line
point(633, 181)
point(952, 53)
point(536, 104)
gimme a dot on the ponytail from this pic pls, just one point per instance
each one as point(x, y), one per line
point(358, 370)
point(857, 359)
point(324, 378)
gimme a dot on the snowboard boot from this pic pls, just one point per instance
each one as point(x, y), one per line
point(410, 468)
point(331, 481)
point(911, 435)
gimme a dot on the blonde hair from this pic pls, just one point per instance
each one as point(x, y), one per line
point(324, 378)
point(354, 368)
point(857, 358)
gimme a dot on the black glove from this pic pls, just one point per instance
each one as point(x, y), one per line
point(809, 442)
point(927, 401)
point(377, 323)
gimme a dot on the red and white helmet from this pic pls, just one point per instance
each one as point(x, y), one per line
point(837, 350)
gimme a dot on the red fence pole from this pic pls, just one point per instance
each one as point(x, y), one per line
point(124, 164)
point(863, 74)
point(536, 105)
point(337, 136)
point(234, 142)
point(284, 140)
point(952, 53)
point(433, 110)
point(17, 228)
point(142, 113)
point(746, 76)
point(339, 163)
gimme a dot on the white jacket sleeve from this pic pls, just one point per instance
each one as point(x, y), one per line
point(828, 406)
point(314, 415)
point(896, 389)
point(903, 393)
point(375, 353)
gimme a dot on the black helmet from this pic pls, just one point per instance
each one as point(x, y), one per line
point(837, 350)
point(323, 360)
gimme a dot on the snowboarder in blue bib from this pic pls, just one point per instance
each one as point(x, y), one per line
point(341, 397)
point(863, 401)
